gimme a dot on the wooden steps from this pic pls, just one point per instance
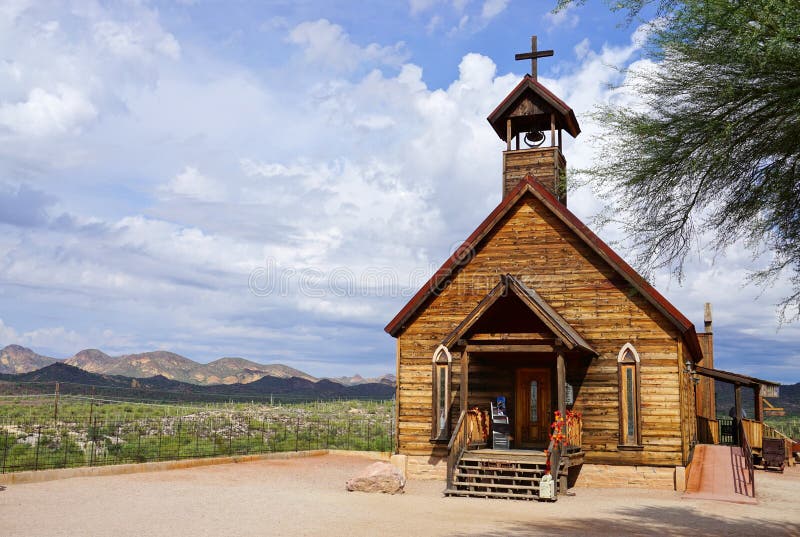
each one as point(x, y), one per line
point(509, 474)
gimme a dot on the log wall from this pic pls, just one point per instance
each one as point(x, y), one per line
point(534, 245)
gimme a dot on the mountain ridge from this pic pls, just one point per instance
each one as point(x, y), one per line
point(16, 359)
point(74, 379)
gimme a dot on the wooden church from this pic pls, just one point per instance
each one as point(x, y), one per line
point(536, 311)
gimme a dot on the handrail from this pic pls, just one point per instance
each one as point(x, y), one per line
point(554, 457)
point(456, 446)
point(747, 453)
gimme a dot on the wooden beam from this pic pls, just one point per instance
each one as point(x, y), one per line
point(559, 140)
point(552, 129)
point(508, 134)
point(463, 389)
point(561, 381)
point(505, 336)
point(759, 403)
point(738, 401)
point(510, 348)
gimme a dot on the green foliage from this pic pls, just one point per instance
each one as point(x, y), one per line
point(715, 145)
point(125, 433)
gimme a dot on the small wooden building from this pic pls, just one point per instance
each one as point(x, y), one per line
point(536, 308)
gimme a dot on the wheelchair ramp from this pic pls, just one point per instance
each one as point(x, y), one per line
point(719, 473)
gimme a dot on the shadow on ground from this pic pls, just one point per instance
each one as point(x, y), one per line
point(648, 520)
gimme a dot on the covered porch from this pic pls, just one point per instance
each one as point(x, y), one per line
point(514, 347)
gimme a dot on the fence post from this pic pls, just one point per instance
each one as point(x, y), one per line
point(296, 433)
point(65, 440)
point(178, 453)
point(347, 438)
point(196, 439)
point(5, 452)
point(247, 444)
point(369, 433)
point(230, 436)
point(328, 435)
point(92, 435)
point(160, 434)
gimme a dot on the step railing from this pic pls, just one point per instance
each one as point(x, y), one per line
point(747, 453)
point(456, 447)
point(554, 458)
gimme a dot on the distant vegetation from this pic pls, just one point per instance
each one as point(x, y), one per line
point(34, 435)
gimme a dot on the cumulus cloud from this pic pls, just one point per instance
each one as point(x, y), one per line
point(492, 8)
point(190, 183)
point(60, 111)
point(327, 44)
point(564, 18)
point(184, 187)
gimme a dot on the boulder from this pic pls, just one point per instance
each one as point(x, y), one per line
point(378, 477)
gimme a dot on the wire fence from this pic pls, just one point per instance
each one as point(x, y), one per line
point(96, 441)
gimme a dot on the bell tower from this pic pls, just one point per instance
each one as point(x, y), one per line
point(532, 115)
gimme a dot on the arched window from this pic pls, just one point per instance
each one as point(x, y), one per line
point(441, 393)
point(629, 401)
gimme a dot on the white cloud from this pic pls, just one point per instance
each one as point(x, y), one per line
point(46, 113)
point(192, 176)
point(190, 183)
point(492, 8)
point(327, 44)
point(135, 41)
point(564, 18)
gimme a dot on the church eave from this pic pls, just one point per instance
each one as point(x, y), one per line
point(567, 119)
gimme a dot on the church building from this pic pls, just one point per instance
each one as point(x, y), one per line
point(581, 366)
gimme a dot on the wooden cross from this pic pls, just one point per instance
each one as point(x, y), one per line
point(533, 55)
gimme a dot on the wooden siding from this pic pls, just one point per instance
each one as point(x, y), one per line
point(535, 246)
point(547, 164)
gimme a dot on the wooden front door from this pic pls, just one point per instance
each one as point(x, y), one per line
point(532, 417)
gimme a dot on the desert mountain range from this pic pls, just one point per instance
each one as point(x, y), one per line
point(15, 359)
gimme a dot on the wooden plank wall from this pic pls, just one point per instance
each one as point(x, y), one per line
point(547, 164)
point(533, 244)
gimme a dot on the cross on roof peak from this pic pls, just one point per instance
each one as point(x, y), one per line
point(533, 55)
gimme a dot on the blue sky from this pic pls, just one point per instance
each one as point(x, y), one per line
point(272, 180)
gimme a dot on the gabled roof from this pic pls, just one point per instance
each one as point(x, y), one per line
point(550, 317)
point(565, 116)
point(529, 186)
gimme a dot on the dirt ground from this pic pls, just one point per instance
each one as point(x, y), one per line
point(307, 497)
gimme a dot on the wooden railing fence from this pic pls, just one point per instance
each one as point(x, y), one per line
point(456, 446)
point(754, 430)
point(747, 453)
point(707, 430)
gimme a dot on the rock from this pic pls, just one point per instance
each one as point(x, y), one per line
point(378, 477)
